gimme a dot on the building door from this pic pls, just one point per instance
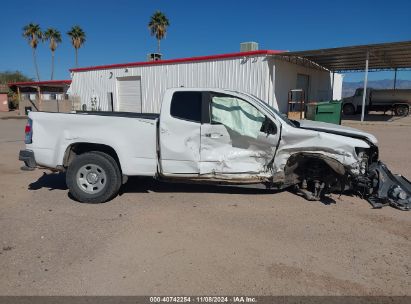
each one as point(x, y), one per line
point(129, 94)
point(303, 82)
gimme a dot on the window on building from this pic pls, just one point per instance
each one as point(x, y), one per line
point(186, 105)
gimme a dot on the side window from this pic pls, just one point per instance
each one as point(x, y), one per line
point(237, 115)
point(186, 105)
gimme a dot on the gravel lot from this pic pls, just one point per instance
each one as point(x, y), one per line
point(160, 239)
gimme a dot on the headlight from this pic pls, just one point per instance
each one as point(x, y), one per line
point(363, 159)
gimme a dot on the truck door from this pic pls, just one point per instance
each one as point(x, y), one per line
point(238, 140)
point(180, 134)
point(357, 102)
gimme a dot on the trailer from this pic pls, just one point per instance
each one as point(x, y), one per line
point(396, 100)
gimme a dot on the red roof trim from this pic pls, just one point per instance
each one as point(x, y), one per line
point(39, 83)
point(179, 60)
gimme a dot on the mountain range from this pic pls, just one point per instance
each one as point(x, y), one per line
point(349, 88)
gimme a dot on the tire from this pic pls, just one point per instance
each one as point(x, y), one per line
point(93, 177)
point(402, 110)
point(348, 109)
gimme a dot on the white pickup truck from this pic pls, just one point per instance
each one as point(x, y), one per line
point(209, 136)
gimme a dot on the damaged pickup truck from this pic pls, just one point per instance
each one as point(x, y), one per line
point(210, 136)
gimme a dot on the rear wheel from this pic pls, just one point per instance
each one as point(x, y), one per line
point(93, 177)
point(348, 109)
point(402, 110)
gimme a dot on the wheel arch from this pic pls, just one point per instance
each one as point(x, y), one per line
point(79, 148)
point(296, 161)
point(349, 103)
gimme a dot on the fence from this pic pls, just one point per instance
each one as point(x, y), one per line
point(62, 106)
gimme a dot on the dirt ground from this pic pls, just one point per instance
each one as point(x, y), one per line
point(162, 239)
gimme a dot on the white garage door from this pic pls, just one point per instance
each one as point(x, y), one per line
point(129, 94)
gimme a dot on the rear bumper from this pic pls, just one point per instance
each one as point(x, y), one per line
point(27, 156)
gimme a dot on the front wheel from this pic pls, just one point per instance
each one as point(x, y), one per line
point(348, 109)
point(93, 177)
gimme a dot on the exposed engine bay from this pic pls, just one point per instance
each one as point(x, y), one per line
point(320, 175)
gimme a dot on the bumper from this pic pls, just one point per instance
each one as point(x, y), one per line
point(388, 188)
point(29, 162)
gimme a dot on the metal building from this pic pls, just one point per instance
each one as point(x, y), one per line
point(139, 86)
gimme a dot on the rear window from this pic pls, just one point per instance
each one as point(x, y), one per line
point(186, 105)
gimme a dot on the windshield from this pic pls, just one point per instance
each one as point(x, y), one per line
point(281, 116)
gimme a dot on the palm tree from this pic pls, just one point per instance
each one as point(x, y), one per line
point(33, 34)
point(54, 36)
point(158, 27)
point(78, 37)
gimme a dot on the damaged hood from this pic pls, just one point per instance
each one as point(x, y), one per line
point(336, 129)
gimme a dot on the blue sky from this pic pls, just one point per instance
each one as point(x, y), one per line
point(117, 30)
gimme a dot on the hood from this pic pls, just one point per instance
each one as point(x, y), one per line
point(347, 99)
point(336, 129)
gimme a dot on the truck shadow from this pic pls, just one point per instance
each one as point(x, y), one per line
point(51, 181)
point(325, 200)
point(145, 185)
point(57, 181)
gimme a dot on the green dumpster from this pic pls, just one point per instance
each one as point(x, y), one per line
point(328, 111)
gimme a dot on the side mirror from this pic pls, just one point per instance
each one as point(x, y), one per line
point(268, 127)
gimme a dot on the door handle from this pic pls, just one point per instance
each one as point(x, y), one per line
point(213, 135)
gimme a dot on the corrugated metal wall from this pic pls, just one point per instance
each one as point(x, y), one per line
point(248, 74)
point(268, 78)
point(320, 82)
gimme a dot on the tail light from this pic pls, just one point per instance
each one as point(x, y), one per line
point(28, 130)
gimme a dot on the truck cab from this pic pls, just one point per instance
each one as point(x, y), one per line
point(215, 134)
point(353, 104)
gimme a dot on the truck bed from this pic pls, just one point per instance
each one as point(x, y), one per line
point(133, 136)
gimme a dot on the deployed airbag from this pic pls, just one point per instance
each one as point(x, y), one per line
point(238, 115)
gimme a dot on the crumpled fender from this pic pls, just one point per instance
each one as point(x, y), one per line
point(338, 147)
